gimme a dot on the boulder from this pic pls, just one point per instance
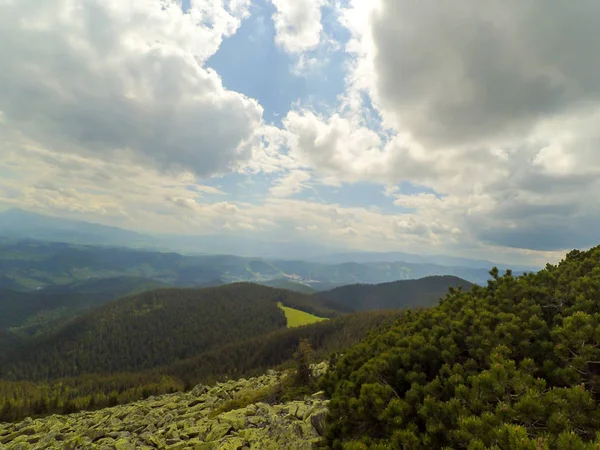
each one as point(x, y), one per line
point(318, 421)
point(218, 431)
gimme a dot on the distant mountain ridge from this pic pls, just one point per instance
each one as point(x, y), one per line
point(28, 265)
point(30, 313)
point(20, 224)
point(423, 292)
point(441, 260)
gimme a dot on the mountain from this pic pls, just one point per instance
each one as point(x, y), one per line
point(156, 328)
point(439, 260)
point(20, 224)
point(514, 364)
point(29, 264)
point(286, 283)
point(30, 313)
point(422, 292)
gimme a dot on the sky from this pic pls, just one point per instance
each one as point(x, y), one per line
point(467, 129)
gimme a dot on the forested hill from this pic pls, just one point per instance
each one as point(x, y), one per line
point(148, 330)
point(423, 292)
point(30, 313)
point(20, 399)
point(155, 328)
point(513, 365)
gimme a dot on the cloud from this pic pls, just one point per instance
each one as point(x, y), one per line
point(291, 183)
point(488, 114)
point(125, 80)
point(478, 102)
point(481, 71)
point(298, 24)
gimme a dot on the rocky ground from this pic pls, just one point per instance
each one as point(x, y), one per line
point(185, 420)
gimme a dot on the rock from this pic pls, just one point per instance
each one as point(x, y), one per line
point(319, 396)
point(318, 421)
point(218, 431)
point(250, 410)
point(124, 444)
point(320, 369)
point(198, 390)
point(303, 411)
point(236, 421)
point(181, 421)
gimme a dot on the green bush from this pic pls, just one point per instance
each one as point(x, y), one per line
point(513, 365)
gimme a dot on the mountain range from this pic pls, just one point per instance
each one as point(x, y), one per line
point(28, 265)
point(20, 224)
point(517, 354)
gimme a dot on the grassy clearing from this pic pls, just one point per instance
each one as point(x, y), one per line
point(297, 318)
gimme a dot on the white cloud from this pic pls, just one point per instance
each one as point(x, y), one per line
point(291, 183)
point(298, 24)
point(479, 102)
point(109, 111)
point(125, 80)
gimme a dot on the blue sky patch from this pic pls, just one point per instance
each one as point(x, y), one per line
point(249, 62)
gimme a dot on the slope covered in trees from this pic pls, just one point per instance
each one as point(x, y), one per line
point(423, 292)
point(286, 283)
point(19, 399)
point(147, 330)
point(31, 313)
point(515, 364)
point(253, 356)
point(156, 328)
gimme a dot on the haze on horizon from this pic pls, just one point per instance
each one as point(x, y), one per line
point(463, 129)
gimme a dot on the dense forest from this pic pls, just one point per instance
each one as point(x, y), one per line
point(30, 313)
point(254, 356)
point(397, 294)
point(148, 330)
point(155, 328)
point(515, 364)
point(19, 399)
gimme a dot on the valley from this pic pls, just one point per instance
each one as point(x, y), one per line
point(124, 346)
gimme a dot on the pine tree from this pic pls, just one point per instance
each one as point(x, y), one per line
point(303, 357)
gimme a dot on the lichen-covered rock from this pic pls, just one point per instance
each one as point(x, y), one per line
point(184, 420)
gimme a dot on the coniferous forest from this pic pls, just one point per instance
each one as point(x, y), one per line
point(510, 365)
point(513, 365)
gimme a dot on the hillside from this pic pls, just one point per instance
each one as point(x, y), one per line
point(7, 339)
point(148, 330)
point(248, 357)
point(510, 365)
point(236, 414)
point(31, 313)
point(423, 292)
point(286, 283)
point(156, 328)
point(254, 356)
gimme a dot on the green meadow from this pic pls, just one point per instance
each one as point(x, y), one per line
point(297, 318)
